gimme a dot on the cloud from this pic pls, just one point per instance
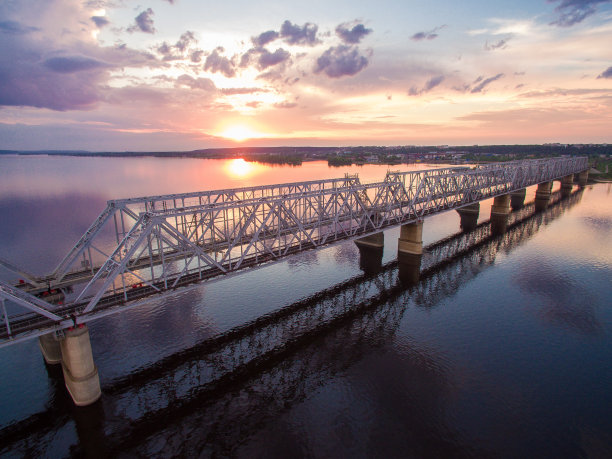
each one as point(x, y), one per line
point(72, 64)
point(143, 22)
point(428, 35)
point(100, 21)
point(215, 62)
point(205, 84)
point(501, 44)
point(182, 49)
point(606, 73)
point(267, 59)
point(265, 37)
point(571, 12)
point(234, 91)
point(354, 35)
point(429, 85)
point(285, 104)
point(293, 34)
point(339, 61)
point(15, 28)
point(484, 83)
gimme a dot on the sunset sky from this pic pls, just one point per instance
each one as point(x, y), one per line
point(181, 74)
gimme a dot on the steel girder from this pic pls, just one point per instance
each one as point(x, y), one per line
point(180, 239)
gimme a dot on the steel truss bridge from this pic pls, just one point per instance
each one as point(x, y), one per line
point(145, 246)
point(283, 356)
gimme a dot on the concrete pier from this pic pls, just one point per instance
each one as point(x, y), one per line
point(370, 259)
point(376, 241)
point(542, 196)
point(499, 214)
point(50, 347)
point(410, 252)
point(517, 199)
point(567, 183)
point(469, 216)
point(80, 373)
point(582, 178)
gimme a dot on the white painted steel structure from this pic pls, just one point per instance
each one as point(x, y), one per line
point(144, 246)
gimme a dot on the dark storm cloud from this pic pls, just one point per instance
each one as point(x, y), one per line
point(293, 34)
point(143, 22)
point(100, 21)
point(429, 35)
point(215, 62)
point(339, 61)
point(606, 73)
point(72, 64)
point(354, 35)
point(571, 12)
point(265, 37)
point(15, 28)
point(429, 85)
point(484, 83)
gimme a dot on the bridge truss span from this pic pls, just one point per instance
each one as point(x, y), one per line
point(145, 246)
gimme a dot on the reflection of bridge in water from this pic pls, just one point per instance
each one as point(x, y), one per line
point(284, 356)
point(165, 242)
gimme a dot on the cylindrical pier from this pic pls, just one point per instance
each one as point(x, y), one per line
point(542, 196)
point(469, 216)
point(80, 373)
point(499, 214)
point(567, 183)
point(410, 252)
point(582, 178)
point(50, 347)
point(517, 199)
point(376, 241)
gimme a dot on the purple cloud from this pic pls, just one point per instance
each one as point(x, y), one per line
point(484, 83)
point(268, 59)
point(215, 62)
point(72, 64)
point(204, 84)
point(354, 35)
point(501, 44)
point(428, 35)
point(144, 22)
point(100, 21)
point(293, 34)
point(606, 73)
point(264, 38)
point(429, 85)
point(339, 61)
point(15, 28)
point(571, 12)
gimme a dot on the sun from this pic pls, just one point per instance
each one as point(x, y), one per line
point(239, 167)
point(239, 133)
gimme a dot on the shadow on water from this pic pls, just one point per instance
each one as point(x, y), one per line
point(214, 396)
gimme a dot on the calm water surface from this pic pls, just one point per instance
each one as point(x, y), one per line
point(503, 350)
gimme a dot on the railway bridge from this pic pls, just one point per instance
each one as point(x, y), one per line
point(153, 245)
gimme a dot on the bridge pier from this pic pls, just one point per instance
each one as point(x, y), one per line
point(499, 214)
point(582, 178)
point(80, 372)
point(567, 183)
point(376, 241)
point(410, 252)
point(517, 199)
point(469, 216)
point(542, 196)
point(51, 349)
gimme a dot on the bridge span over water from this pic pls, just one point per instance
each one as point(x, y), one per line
point(148, 246)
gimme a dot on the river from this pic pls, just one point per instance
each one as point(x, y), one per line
point(502, 350)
